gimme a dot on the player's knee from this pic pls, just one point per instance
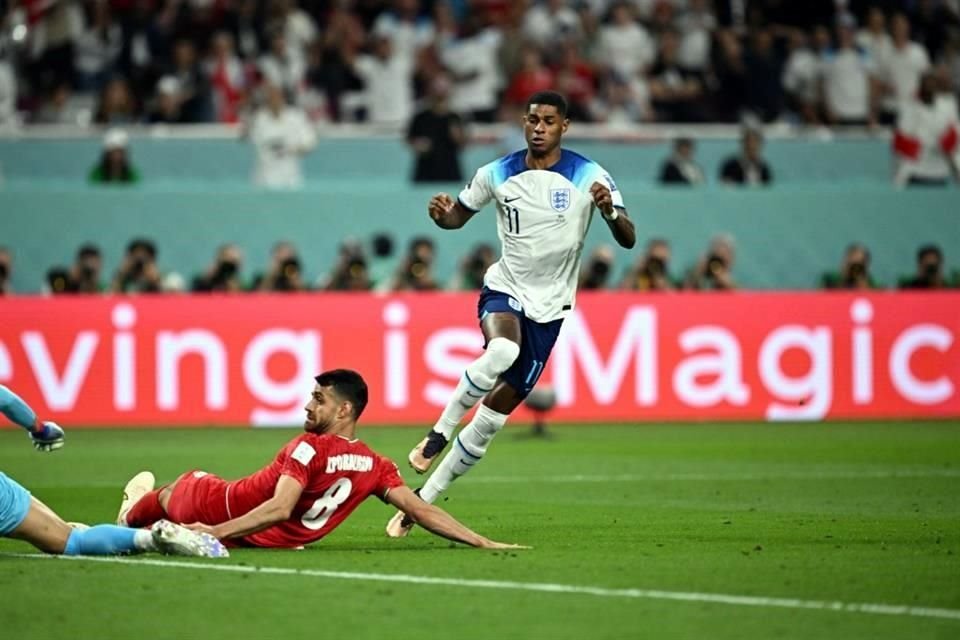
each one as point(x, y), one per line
point(502, 353)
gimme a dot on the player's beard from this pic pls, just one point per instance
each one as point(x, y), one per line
point(316, 426)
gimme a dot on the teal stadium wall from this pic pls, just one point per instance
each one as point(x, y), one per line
point(195, 196)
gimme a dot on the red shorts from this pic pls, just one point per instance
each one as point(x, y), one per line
point(199, 497)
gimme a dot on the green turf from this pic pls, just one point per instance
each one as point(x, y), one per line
point(856, 513)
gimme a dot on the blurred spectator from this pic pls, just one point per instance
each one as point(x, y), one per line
point(929, 274)
point(549, 21)
point(532, 76)
point(117, 104)
point(925, 142)
point(696, 25)
point(436, 136)
point(228, 78)
point(714, 270)
point(297, 26)
point(624, 46)
point(729, 72)
point(472, 269)
point(194, 85)
point(8, 86)
point(596, 270)
point(681, 168)
point(6, 271)
point(138, 272)
point(471, 60)
point(281, 134)
point(854, 271)
point(405, 28)
point(676, 92)
point(97, 47)
point(847, 80)
point(874, 39)
point(622, 103)
point(169, 102)
point(350, 273)
point(416, 269)
point(224, 274)
point(801, 79)
point(899, 71)
point(281, 69)
point(147, 32)
point(62, 107)
point(86, 270)
point(380, 264)
point(652, 270)
point(284, 272)
point(388, 81)
point(115, 166)
point(574, 78)
point(58, 281)
point(748, 168)
point(763, 68)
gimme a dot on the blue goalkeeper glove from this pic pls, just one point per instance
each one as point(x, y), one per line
point(49, 438)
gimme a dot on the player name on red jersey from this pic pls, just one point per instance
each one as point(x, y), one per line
point(349, 462)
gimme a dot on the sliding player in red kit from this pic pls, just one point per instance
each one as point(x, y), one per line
point(315, 482)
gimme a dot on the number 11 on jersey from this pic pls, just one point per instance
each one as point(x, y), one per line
point(513, 219)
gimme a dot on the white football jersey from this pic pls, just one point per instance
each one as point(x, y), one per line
point(542, 218)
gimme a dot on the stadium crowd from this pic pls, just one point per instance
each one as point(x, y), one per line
point(375, 266)
point(116, 62)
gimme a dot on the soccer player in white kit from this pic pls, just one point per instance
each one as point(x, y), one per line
point(545, 196)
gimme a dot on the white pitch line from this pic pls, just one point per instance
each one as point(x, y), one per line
point(541, 587)
point(711, 477)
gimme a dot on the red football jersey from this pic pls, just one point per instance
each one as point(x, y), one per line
point(337, 474)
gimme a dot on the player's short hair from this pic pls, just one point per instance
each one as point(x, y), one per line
point(88, 251)
point(347, 384)
point(551, 98)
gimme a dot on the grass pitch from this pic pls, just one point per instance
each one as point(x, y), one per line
point(679, 531)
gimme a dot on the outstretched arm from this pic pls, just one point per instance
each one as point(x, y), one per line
point(616, 217)
point(439, 522)
point(277, 509)
point(46, 436)
point(448, 213)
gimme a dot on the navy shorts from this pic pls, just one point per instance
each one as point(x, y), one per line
point(536, 340)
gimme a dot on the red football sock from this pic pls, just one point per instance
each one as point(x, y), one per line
point(146, 511)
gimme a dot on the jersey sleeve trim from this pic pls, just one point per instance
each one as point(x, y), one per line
point(466, 206)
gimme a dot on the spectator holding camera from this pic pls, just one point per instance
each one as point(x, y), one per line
point(284, 273)
point(138, 271)
point(473, 267)
point(351, 272)
point(86, 270)
point(854, 271)
point(597, 269)
point(224, 274)
point(416, 269)
point(652, 271)
point(929, 274)
point(6, 270)
point(714, 270)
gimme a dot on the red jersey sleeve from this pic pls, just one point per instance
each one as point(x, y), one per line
point(299, 457)
point(389, 478)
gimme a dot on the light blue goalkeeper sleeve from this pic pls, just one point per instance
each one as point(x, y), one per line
point(18, 411)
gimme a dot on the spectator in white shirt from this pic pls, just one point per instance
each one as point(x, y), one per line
point(925, 142)
point(388, 79)
point(98, 47)
point(549, 21)
point(874, 39)
point(298, 28)
point(408, 31)
point(281, 134)
point(281, 69)
point(801, 79)
point(696, 27)
point(847, 80)
point(473, 65)
point(900, 70)
point(625, 47)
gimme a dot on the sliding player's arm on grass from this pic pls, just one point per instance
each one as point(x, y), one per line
point(439, 522)
point(277, 509)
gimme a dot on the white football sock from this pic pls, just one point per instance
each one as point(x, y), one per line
point(143, 540)
point(470, 447)
point(478, 379)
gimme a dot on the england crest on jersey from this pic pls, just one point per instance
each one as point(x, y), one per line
point(560, 199)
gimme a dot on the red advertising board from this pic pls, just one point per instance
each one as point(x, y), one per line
point(239, 360)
